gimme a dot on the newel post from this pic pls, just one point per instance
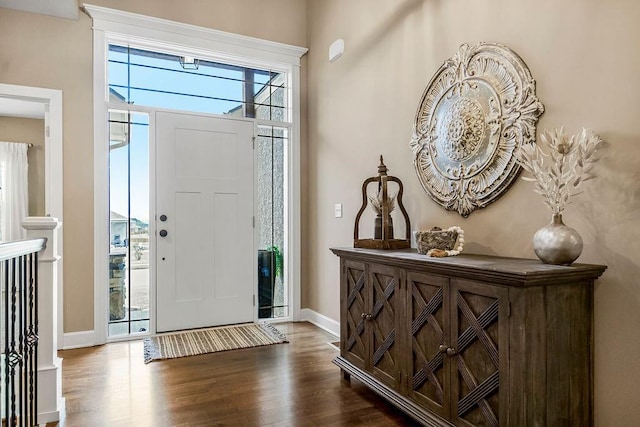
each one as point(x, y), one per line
point(50, 400)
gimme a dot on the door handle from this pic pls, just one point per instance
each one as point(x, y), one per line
point(163, 233)
point(163, 218)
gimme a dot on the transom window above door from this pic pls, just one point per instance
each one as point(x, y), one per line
point(162, 80)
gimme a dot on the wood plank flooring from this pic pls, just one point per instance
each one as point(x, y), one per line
point(292, 384)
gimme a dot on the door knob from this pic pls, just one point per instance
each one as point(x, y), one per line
point(442, 349)
point(163, 233)
point(163, 218)
point(451, 351)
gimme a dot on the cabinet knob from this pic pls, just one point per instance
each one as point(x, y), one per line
point(363, 315)
point(450, 351)
point(369, 316)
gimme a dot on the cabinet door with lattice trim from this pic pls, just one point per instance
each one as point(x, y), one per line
point(428, 305)
point(353, 304)
point(479, 364)
point(386, 302)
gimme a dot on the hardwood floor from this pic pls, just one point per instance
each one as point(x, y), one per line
point(292, 384)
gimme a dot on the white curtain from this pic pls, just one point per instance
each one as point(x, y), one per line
point(14, 193)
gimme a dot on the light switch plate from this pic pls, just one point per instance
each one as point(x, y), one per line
point(338, 210)
point(336, 50)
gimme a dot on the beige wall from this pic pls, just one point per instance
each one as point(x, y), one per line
point(585, 58)
point(43, 51)
point(18, 129)
point(583, 54)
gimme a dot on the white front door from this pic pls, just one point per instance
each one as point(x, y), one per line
point(204, 221)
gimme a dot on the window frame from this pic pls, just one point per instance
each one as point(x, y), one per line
point(203, 61)
point(117, 27)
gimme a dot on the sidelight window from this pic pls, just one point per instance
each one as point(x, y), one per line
point(128, 223)
point(271, 146)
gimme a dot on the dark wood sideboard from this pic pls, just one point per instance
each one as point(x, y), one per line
point(470, 340)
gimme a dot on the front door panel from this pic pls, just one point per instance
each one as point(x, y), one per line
point(204, 193)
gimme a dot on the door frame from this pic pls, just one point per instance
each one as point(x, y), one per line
point(114, 26)
point(53, 184)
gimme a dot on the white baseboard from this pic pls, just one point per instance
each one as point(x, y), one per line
point(45, 418)
point(79, 339)
point(321, 321)
point(51, 404)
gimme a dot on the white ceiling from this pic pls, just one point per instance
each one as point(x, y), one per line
point(19, 108)
point(60, 8)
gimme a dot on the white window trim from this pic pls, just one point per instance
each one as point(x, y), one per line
point(114, 26)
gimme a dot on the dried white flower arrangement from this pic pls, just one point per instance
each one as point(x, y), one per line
point(377, 203)
point(571, 163)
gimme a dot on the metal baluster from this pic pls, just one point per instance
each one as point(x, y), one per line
point(32, 341)
point(35, 335)
point(22, 389)
point(25, 331)
point(6, 341)
point(12, 355)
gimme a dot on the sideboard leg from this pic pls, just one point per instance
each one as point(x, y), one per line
point(345, 375)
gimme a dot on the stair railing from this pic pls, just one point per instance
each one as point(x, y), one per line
point(19, 331)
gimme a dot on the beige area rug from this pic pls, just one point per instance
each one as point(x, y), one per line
point(203, 341)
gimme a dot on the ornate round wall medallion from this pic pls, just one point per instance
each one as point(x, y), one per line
point(478, 108)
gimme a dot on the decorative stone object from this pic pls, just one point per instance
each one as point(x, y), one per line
point(476, 111)
point(440, 243)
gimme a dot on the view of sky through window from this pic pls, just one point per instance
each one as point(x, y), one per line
point(142, 77)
